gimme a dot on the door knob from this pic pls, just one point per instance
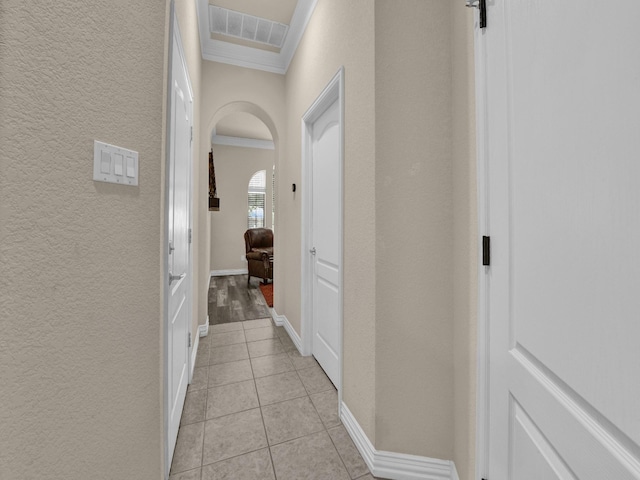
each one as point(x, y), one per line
point(313, 251)
point(173, 278)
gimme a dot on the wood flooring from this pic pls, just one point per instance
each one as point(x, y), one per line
point(231, 300)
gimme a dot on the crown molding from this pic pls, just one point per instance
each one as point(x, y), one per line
point(243, 56)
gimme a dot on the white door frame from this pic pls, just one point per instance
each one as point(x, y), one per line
point(482, 392)
point(174, 36)
point(333, 92)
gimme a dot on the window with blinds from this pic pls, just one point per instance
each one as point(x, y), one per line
point(257, 199)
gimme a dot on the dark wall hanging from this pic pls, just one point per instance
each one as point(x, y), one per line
point(214, 201)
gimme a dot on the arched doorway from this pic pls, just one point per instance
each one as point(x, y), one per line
point(244, 143)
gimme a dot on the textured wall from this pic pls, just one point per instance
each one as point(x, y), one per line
point(465, 240)
point(413, 228)
point(339, 33)
point(234, 168)
point(80, 301)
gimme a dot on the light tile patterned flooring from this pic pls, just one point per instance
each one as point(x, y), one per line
point(258, 410)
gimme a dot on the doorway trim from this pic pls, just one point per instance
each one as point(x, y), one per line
point(483, 307)
point(174, 36)
point(334, 91)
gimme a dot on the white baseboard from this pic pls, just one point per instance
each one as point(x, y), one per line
point(283, 321)
point(454, 472)
point(277, 319)
point(395, 466)
point(203, 330)
point(194, 353)
point(224, 273)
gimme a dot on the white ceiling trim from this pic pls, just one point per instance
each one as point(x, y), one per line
point(242, 142)
point(242, 56)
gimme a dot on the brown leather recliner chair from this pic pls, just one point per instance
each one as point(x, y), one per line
point(258, 244)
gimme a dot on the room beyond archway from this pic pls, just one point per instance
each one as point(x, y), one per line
point(242, 147)
point(244, 155)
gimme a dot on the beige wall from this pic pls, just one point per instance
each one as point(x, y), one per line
point(414, 370)
point(80, 302)
point(409, 216)
point(465, 240)
point(234, 168)
point(339, 33)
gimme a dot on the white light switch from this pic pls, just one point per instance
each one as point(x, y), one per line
point(105, 165)
point(131, 167)
point(113, 164)
point(118, 164)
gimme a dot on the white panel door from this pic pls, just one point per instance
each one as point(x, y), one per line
point(326, 241)
point(562, 152)
point(179, 301)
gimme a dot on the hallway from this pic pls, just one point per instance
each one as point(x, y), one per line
point(257, 409)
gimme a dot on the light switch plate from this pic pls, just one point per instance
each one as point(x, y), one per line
point(113, 164)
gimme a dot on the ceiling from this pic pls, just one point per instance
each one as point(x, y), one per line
point(277, 16)
point(242, 125)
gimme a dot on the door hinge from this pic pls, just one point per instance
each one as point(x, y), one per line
point(481, 5)
point(192, 134)
point(189, 339)
point(486, 250)
point(189, 235)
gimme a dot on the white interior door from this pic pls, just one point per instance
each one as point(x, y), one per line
point(562, 155)
point(179, 295)
point(326, 241)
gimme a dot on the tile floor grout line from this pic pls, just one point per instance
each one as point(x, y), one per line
point(282, 401)
point(305, 387)
point(204, 430)
point(185, 471)
point(326, 429)
point(318, 412)
point(260, 405)
point(230, 361)
point(232, 457)
point(339, 454)
point(222, 416)
point(230, 383)
point(229, 414)
point(226, 344)
point(264, 426)
point(296, 438)
point(272, 374)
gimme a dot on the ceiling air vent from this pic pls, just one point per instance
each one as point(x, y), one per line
point(248, 27)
